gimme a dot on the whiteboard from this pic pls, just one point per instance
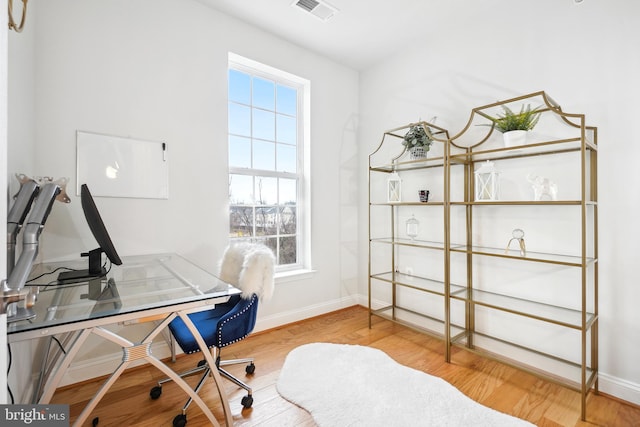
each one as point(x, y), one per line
point(114, 166)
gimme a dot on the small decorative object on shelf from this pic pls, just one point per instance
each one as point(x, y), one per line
point(518, 235)
point(487, 182)
point(413, 226)
point(424, 195)
point(394, 188)
point(514, 126)
point(417, 141)
point(543, 188)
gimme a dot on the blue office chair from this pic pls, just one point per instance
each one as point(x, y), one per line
point(250, 268)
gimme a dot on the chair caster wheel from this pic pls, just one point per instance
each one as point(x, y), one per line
point(201, 363)
point(250, 369)
point(180, 420)
point(247, 401)
point(155, 392)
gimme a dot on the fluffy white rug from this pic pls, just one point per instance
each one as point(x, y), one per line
point(351, 385)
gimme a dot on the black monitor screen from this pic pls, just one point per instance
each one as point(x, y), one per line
point(94, 220)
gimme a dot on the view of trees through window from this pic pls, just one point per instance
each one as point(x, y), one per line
point(263, 163)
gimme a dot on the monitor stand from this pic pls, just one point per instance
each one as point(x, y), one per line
point(95, 269)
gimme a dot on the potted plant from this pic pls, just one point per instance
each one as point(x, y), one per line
point(417, 141)
point(514, 126)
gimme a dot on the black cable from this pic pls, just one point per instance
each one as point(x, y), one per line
point(110, 265)
point(9, 370)
point(50, 272)
point(59, 344)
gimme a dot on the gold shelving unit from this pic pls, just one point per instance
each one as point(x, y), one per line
point(497, 302)
point(390, 278)
point(557, 135)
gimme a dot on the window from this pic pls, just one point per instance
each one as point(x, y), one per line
point(266, 164)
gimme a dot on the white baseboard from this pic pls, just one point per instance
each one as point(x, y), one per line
point(104, 365)
point(619, 388)
point(279, 319)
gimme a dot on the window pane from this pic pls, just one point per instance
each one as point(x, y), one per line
point(287, 192)
point(239, 119)
point(240, 189)
point(264, 125)
point(271, 243)
point(263, 140)
point(263, 94)
point(239, 87)
point(239, 151)
point(241, 221)
point(286, 158)
point(287, 100)
point(288, 250)
point(286, 129)
point(265, 221)
point(266, 190)
point(287, 220)
point(264, 155)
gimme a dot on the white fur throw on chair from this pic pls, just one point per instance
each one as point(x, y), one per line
point(249, 267)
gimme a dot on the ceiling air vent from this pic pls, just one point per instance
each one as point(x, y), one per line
point(320, 10)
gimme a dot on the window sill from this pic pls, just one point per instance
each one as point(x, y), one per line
point(294, 275)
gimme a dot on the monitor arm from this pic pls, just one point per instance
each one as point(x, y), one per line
point(17, 215)
point(39, 214)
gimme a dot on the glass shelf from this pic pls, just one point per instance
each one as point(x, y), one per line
point(407, 165)
point(568, 260)
point(407, 203)
point(548, 313)
point(417, 321)
point(536, 149)
point(550, 367)
point(525, 203)
point(416, 282)
point(408, 242)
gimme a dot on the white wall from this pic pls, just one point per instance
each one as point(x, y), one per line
point(157, 70)
point(582, 56)
point(3, 210)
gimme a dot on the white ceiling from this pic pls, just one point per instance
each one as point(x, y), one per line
point(362, 33)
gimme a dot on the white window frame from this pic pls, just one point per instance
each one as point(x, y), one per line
point(303, 213)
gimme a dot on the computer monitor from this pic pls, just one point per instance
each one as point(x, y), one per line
point(94, 220)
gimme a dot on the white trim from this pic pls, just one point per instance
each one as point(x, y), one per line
point(294, 275)
point(104, 365)
point(620, 388)
point(291, 316)
point(303, 173)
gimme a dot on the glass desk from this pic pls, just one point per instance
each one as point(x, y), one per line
point(144, 288)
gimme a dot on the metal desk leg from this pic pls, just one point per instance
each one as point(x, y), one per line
point(214, 372)
point(52, 383)
point(135, 351)
point(48, 363)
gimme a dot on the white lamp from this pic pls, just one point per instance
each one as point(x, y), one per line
point(394, 188)
point(487, 182)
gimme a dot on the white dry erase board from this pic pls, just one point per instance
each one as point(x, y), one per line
point(114, 166)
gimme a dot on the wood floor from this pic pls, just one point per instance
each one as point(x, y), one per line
point(490, 383)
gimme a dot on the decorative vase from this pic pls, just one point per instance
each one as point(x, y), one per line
point(417, 153)
point(514, 138)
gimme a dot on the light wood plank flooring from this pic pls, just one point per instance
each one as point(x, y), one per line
point(492, 384)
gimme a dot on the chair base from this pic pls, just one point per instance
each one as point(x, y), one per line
point(181, 419)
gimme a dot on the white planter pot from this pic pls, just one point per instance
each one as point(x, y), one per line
point(514, 138)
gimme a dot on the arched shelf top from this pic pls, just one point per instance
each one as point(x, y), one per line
point(470, 137)
point(393, 158)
